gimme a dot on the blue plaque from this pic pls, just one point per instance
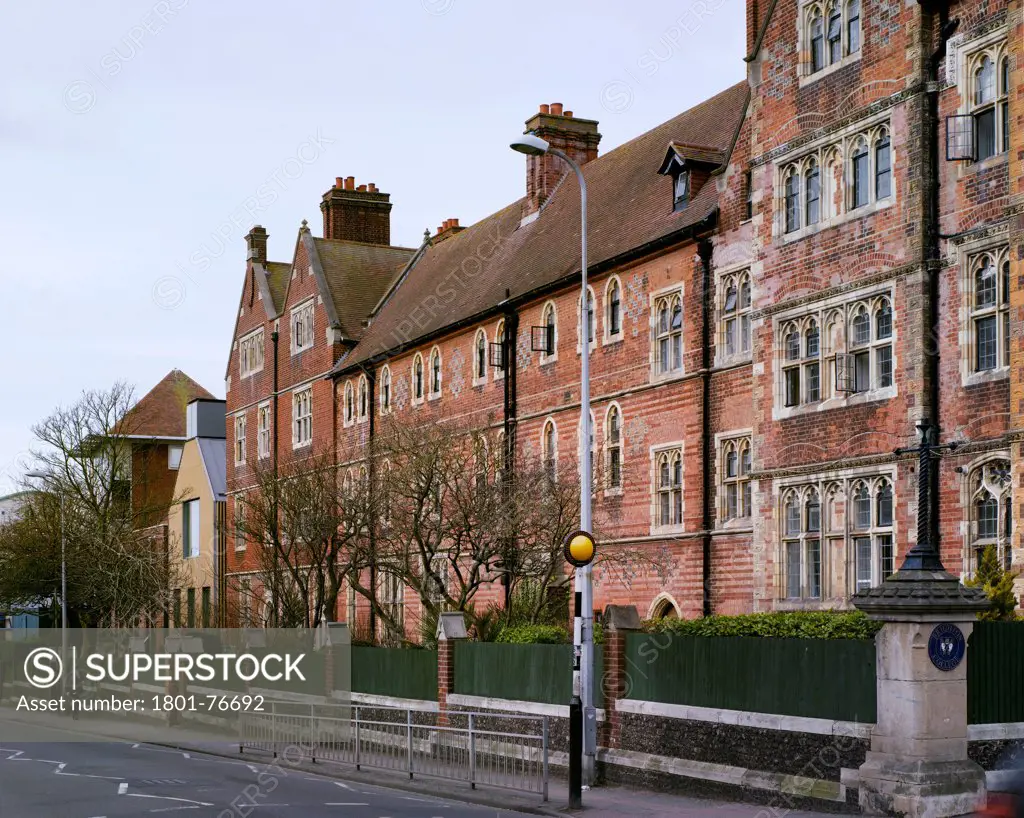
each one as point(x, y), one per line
point(946, 646)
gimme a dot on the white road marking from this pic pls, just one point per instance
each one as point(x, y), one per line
point(346, 804)
point(122, 789)
point(342, 785)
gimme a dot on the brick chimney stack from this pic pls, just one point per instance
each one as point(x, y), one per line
point(353, 213)
point(577, 137)
point(448, 228)
point(256, 244)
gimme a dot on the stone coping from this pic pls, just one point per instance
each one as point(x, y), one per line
point(559, 711)
point(374, 700)
point(743, 718)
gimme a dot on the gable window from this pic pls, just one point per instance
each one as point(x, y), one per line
point(385, 390)
point(350, 403)
point(363, 398)
point(990, 488)
point(613, 302)
point(681, 190)
point(668, 334)
point(239, 439)
point(613, 446)
point(549, 449)
point(668, 474)
point(549, 319)
point(990, 310)
point(263, 430)
point(250, 354)
point(435, 373)
point(302, 417)
point(734, 472)
point(190, 535)
point(302, 327)
point(417, 378)
point(480, 357)
point(735, 311)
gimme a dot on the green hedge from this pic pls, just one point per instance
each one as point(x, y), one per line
point(787, 624)
point(534, 635)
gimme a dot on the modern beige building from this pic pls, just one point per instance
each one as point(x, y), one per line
point(196, 520)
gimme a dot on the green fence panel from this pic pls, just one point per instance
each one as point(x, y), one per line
point(407, 673)
point(995, 673)
point(817, 678)
point(530, 673)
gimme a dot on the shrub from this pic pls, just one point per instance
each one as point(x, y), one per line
point(534, 635)
point(792, 624)
point(997, 585)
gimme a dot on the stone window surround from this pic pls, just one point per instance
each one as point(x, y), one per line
point(610, 490)
point(263, 431)
point(844, 301)
point(544, 357)
point(546, 456)
point(847, 477)
point(966, 253)
point(298, 313)
point(608, 337)
point(868, 127)
point(386, 391)
point(239, 439)
point(499, 332)
point(479, 378)
point(435, 394)
point(734, 271)
point(721, 439)
point(579, 319)
point(348, 406)
point(417, 360)
point(670, 447)
point(961, 51)
point(967, 503)
point(363, 407)
point(297, 395)
point(654, 297)
point(247, 348)
point(803, 41)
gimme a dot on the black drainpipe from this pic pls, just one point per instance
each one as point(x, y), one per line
point(371, 476)
point(704, 250)
point(274, 337)
point(508, 354)
point(931, 249)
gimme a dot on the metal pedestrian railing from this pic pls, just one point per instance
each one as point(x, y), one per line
point(490, 749)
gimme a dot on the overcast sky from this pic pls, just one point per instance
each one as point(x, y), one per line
point(133, 133)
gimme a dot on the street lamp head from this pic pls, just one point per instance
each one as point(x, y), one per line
point(530, 145)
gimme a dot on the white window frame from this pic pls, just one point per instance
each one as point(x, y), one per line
point(833, 157)
point(303, 326)
point(480, 371)
point(579, 320)
point(302, 417)
point(609, 336)
point(669, 295)
point(239, 439)
point(676, 493)
point(191, 528)
point(415, 399)
point(739, 319)
point(348, 406)
point(834, 319)
point(612, 489)
point(549, 308)
point(363, 407)
point(549, 450)
point(251, 352)
point(263, 430)
point(848, 53)
point(739, 443)
point(386, 398)
point(997, 252)
point(174, 454)
point(499, 333)
point(432, 392)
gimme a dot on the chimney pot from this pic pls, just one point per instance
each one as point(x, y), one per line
point(455, 222)
point(568, 114)
point(545, 109)
point(339, 183)
point(350, 183)
point(361, 188)
point(556, 108)
point(372, 188)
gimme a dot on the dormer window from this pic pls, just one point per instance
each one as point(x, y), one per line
point(681, 187)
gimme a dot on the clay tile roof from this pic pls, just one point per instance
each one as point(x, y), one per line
point(161, 411)
point(357, 275)
point(697, 153)
point(279, 273)
point(630, 206)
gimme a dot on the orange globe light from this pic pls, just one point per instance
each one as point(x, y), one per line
point(580, 548)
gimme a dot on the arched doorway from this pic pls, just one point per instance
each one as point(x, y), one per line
point(664, 607)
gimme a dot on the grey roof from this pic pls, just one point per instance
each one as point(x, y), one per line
point(215, 461)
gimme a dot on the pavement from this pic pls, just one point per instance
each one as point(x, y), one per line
point(52, 767)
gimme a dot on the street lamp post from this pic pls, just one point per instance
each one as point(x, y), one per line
point(63, 583)
point(583, 638)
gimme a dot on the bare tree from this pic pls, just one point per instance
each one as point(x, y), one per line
point(117, 574)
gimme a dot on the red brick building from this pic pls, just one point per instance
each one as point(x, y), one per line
point(786, 280)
